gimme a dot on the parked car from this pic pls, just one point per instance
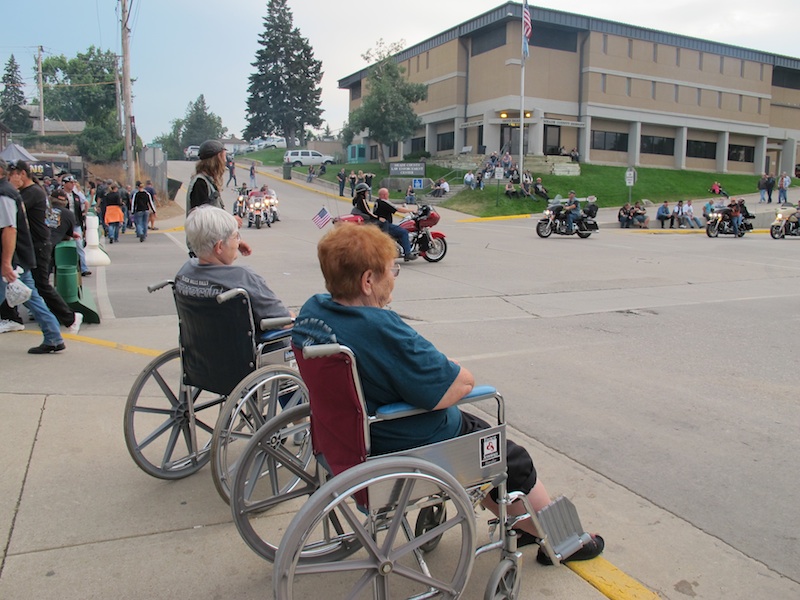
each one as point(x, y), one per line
point(273, 141)
point(192, 153)
point(305, 158)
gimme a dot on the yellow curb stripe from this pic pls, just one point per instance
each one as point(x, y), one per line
point(610, 581)
point(105, 343)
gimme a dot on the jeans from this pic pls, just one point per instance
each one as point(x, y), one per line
point(782, 195)
point(571, 217)
point(341, 188)
point(46, 320)
point(124, 224)
point(253, 182)
point(763, 195)
point(400, 234)
point(694, 221)
point(113, 231)
point(79, 245)
point(736, 221)
point(140, 220)
point(232, 176)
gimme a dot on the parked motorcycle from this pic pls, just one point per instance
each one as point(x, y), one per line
point(555, 221)
point(719, 222)
point(255, 217)
point(785, 223)
point(430, 244)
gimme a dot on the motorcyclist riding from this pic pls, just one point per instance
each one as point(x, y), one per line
point(572, 209)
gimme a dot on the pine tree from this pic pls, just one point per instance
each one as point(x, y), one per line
point(12, 115)
point(284, 92)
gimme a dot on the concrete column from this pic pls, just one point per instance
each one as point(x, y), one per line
point(788, 153)
point(634, 143)
point(760, 160)
point(536, 140)
point(585, 136)
point(460, 137)
point(530, 132)
point(723, 138)
point(430, 138)
point(680, 147)
point(491, 133)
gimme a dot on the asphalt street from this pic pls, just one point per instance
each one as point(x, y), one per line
point(655, 370)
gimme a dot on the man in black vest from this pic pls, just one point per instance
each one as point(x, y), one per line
point(17, 254)
point(78, 206)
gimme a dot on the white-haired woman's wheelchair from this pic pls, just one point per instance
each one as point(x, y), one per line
point(202, 401)
point(367, 525)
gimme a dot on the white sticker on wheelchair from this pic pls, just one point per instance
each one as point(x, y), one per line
point(490, 450)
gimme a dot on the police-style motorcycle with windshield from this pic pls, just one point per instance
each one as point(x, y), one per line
point(554, 219)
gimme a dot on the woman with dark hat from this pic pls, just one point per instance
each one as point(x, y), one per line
point(205, 185)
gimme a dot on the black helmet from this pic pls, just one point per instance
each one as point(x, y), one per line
point(210, 148)
point(362, 187)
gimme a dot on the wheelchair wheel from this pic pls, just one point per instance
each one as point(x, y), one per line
point(158, 429)
point(504, 582)
point(253, 402)
point(428, 518)
point(276, 467)
point(388, 562)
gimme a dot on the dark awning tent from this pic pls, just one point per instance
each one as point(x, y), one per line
point(17, 152)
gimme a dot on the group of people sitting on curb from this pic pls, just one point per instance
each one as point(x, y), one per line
point(681, 215)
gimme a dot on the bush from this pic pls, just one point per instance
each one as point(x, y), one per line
point(100, 144)
point(417, 155)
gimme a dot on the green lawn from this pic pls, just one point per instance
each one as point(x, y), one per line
point(608, 185)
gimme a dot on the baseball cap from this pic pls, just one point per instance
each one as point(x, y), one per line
point(210, 148)
point(68, 179)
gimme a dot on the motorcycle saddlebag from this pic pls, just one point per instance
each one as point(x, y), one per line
point(591, 225)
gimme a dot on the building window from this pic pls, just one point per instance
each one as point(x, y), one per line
point(719, 99)
point(630, 48)
point(446, 141)
point(489, 40)
point(355, 91)
point(610, 140)
point(393, 149)
point(761, 74)
point(738, 153)
point(785, 78)
point(554, 39)
point(605, 43)
point(627, 86)
point(741, 103)
point(373, 152)
point(700, 61)
point(655, 53)
point(677, 93)
point(653, 144)
point(699, 97)
point(695, 149)
point(417, 63)
point(759, 106)
point(741, 69)
point(722, 65)
point(677, 57)
point(418, 144)
point(653, 90)
point(603, 82)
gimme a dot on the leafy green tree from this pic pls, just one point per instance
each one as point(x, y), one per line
point(12, 98)
point(386, 109)
point(284, 92)
point(197, 126)
point(80, 88)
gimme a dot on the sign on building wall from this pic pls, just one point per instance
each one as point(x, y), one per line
point(406, 169)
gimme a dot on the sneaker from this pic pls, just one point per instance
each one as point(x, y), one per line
point(46, 349)
point(76, 325)
point(682, 227)
point(7, 325)
point(86, 273)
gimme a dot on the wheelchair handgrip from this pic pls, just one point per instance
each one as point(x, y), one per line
point(275, 323)
point(225, 296)
point(320, 350)
point(158, 286)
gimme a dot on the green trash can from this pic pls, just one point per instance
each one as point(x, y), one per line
point(67, 278)
point(287, 170)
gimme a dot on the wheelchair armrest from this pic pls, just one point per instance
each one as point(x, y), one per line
point(320, 350)
point(225, 296)
point(275, 323)
point(274, 335)
point(158, 286)
point(398, 410)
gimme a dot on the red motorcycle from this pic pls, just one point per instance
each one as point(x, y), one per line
point(430, 244)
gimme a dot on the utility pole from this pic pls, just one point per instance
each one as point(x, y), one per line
point(41, 92)
point(118, 95)
point(130, 157)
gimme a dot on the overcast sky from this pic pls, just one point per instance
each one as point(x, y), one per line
point(183, 48)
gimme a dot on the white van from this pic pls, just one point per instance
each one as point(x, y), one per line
point(306, 158)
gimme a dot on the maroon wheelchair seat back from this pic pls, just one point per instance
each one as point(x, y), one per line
point(338, 417)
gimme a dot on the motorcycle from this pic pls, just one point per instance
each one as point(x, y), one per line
point(431, 245)
point(240, 206)
point(255, 217)
point(719, 222)
point(271, 208)
point(555, 221)
point(785, 223)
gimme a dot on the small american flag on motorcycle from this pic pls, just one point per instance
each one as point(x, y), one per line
point(322, 218)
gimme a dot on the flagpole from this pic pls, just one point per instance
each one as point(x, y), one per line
point(524, 51)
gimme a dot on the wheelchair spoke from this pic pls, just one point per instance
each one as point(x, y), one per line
point(166, 389)
point(158, 432)
point(359, 531)
point(397, 522)
point(173, 440)
point(420, 577)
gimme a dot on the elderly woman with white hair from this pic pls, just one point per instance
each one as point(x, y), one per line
point(213, 235)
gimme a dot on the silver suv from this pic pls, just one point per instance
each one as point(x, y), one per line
point(306, 158)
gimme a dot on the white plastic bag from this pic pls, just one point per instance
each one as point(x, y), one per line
point(17, 292)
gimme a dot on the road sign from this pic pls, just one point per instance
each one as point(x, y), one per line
point(630, 177)
point(416, 184)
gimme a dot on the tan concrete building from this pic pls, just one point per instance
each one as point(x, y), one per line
point(619, 94)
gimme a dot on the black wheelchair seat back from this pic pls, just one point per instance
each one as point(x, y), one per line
point(217, 342)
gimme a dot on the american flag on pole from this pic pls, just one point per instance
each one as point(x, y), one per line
point(527, 28)
point(322, 218)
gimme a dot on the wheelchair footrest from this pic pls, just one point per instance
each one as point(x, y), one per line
point(561, 527)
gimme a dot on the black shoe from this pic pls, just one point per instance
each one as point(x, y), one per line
point(45, 349)
point(86, 273)
point(526, 539)
point(589, 551)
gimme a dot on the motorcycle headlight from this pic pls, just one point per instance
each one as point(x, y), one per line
point(779, 217)
point(257, 205)
point(547, 213)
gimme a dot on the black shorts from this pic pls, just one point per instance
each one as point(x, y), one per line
point(521, 472)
